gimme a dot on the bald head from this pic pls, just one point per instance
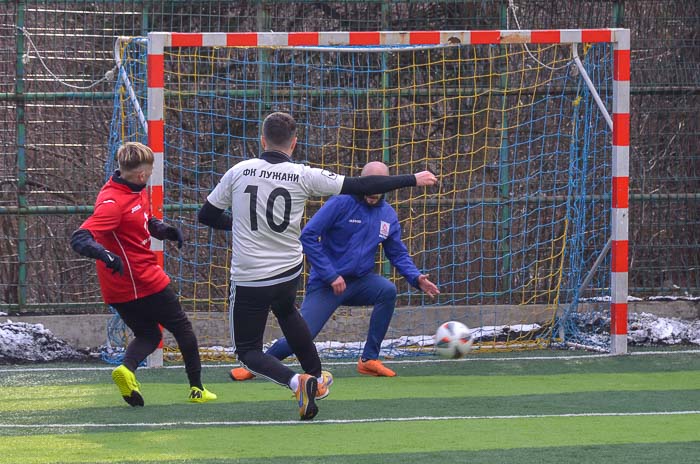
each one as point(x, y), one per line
point(375, 168)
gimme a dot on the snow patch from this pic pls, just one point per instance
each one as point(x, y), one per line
point(22, 342)
point(643, 329)
point(648, 329)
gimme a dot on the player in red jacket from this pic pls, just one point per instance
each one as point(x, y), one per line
point(118, 235)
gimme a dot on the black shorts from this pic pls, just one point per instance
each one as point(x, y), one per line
point(143, 315)
point(249, 307)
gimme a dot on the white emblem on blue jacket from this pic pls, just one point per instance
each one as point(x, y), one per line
point(383, 229)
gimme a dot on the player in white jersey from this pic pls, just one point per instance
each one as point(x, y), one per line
point(267, 196)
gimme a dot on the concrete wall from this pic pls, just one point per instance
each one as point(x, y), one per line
point(90, 330)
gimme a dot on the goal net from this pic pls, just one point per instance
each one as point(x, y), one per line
point(526, 235)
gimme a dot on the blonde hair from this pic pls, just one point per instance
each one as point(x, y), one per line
point(131, 155)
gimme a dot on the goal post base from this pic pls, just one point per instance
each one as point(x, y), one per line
point(618, 344)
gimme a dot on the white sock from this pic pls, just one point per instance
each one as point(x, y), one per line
point(294, 383)
point(319, 379)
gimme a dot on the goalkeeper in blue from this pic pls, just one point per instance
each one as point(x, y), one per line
point(350, 229)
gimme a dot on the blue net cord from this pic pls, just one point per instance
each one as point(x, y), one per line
point(113, 351)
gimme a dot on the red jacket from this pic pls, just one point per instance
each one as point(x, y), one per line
point(120, 224)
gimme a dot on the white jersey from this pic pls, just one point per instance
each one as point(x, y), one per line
point(267, 196)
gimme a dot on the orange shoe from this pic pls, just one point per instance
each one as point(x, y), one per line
point(374, 367)
point(306, 396)
point(324, 385)
point(240, 374)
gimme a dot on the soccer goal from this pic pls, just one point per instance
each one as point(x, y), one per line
point(528, 131)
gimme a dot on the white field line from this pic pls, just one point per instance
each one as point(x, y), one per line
point(385, 361)
point(341, 421)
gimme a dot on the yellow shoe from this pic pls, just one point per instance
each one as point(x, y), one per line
point(201, 396)
point(306, 396)
point(128, 386)
point(324, 385)
point(374, 367)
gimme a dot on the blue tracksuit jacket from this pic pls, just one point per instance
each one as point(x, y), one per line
point(350, 231)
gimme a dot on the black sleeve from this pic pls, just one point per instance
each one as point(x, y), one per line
point(369, 185)
point(83, 243)
point(157, 228)
point(214, 217)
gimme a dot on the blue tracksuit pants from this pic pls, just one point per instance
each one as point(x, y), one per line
point(320, 303)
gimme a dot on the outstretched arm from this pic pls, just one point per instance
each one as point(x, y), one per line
point(369, 185)
point(214, 217)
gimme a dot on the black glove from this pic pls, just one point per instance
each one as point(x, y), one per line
point(174, 234)
point(84, 243)
point(162, 231)
point(113, 262)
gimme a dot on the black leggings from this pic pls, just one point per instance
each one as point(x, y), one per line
point(143, 315)
point(249, 309)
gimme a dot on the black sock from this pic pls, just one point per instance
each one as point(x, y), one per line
point(195, 379)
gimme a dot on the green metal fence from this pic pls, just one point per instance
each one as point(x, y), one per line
point(56, 104)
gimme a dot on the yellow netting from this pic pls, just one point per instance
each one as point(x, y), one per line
point(521, 152)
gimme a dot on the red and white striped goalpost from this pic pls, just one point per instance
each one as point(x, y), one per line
point(620, 38)
point(156, 141)
point(620, 190)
